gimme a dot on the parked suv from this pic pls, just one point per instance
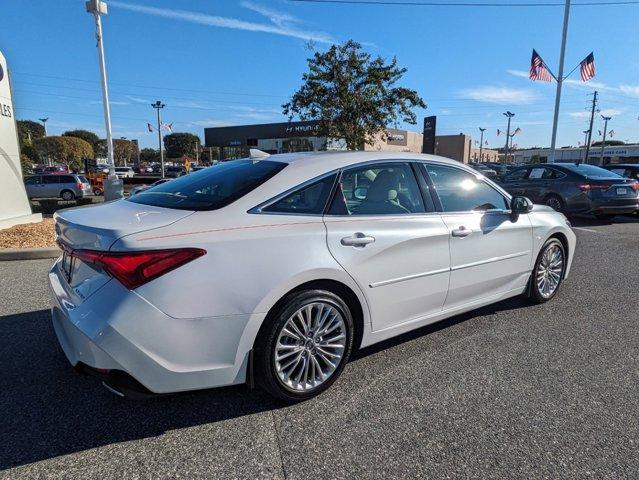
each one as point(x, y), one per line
point(571, 188)
point(66, 187)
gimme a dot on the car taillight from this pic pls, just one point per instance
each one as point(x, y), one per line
point(80, 186)
point(635, 186)
point(588, 187)
point(134, 269)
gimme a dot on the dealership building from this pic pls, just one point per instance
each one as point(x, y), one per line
point(612, 154)
point(233, 141)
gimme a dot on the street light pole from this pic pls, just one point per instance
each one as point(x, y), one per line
point(603, 143)
point(113, 187)
point(560, 80)
point(44, 124)
point(510, 115)
point(481, 143)
point(158, 105)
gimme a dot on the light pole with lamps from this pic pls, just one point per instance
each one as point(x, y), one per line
point(481, 143)
point(510, 115)
point(113, 187)
point(159, 105)
point(603, 143)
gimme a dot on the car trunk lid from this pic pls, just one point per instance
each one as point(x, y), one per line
point(98, 228)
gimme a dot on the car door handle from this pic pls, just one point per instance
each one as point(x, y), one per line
point(461, 232)
point(358, 239)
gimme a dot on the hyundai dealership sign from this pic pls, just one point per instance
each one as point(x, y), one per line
point(14, 205)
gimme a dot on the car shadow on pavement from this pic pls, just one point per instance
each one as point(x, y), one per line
point(48, 410)
point(589, 221)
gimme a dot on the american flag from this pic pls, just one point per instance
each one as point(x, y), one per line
point(587, 67)
point(168, 127)
point(517, 131)
point(611, 133)
point(538, 69)
point(498, 132)
point(149, 126)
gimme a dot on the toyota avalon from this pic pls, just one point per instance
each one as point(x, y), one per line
point(273, 269)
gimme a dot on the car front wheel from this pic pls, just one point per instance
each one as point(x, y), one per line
point(302, 349)
point(548, 272)
point(555, 202)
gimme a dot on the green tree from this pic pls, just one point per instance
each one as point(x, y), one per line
point(29, 131)
point(27, 165)
point(85, 135)
point(352, 95)
point(69, 151)
point(609, 143)
point(149, 155)
point(181, 143)
point(124, 151)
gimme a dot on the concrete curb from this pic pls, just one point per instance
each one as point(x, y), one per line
point(10, 254)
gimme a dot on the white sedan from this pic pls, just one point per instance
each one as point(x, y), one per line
point(274, 269)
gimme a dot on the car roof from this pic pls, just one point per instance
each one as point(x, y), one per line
point(340, 159)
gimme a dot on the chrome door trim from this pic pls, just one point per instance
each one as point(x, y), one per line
point(490, 260)
point(408, 277)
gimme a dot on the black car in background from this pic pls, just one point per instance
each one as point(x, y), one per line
point(571, 188)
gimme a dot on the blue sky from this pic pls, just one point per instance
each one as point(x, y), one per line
point(235, 62)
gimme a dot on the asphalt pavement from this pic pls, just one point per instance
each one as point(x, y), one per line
point(508, 391)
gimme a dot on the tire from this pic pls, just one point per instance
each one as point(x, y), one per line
point(286, 376)
point(97, 192)
point(555, 202)
point(67, 195)
point(540, 291)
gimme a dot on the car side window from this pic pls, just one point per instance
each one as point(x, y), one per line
point(67, 179)
point(378, 189)
point(310, 199)
point(33, 180)
point(50, 179)
point(517, 175)
point(621, 171)
point(461, 191)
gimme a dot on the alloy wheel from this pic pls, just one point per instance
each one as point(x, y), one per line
point(554, 203)
point(310, 346)
point(550, 270)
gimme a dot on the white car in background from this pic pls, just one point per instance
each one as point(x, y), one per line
point(274, 269)
point(124, 172)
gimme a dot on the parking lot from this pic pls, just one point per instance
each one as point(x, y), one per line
point(508, 391)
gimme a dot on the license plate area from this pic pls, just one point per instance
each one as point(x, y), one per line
point(67, 266)
point(622, 191)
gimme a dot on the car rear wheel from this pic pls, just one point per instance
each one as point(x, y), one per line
point(67, 195)
point(303, 347)
point(555, 202)
point(548, 272)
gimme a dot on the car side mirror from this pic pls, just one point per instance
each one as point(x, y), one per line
point(520, 205)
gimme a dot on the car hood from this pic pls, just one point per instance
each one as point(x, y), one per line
point(98, 227)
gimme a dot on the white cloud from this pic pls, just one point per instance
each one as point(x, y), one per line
point(519, 73)
point(630, 90)
point(500, 95)
point(608, 112)
point(280, 23)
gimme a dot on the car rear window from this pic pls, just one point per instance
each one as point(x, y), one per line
point(590, 171)
point(211, 188)
point(83, 179)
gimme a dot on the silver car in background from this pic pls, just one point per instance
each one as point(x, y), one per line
point(66, 187)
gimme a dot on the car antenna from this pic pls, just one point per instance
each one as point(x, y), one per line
point(256, 154)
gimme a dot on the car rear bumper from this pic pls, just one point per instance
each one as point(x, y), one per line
point(614, 206)
point(117, 330)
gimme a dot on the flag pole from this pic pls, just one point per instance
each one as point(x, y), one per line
point(560, 79)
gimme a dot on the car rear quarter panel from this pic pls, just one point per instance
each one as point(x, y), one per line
point(252, 260)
